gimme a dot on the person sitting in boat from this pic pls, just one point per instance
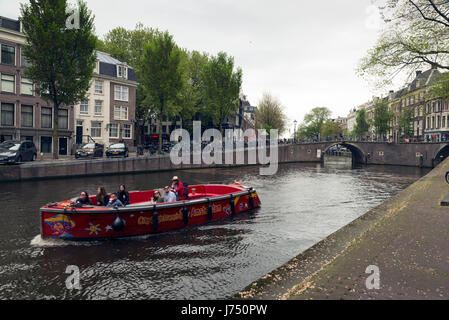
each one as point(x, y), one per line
point(157, 198)
point(178, 187)
point(123, 195)
point(83, 199)
point(102, 197)
point(170, 194)
point(114, 201)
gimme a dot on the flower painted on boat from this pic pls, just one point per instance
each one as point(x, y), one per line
point(60, 225)
point(93, 229)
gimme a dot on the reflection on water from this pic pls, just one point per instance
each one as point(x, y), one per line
point(301, 205)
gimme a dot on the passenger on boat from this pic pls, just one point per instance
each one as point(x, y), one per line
point(83, 199)
point(102, 197)
point(123, 195)
point(178, 187)
point(157, 198)
point(114, 201)
point(170, 195)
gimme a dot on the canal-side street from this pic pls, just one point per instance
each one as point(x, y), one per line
point(301, 205)
point(406, 238)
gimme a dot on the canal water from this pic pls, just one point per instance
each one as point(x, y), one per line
point(301, 205)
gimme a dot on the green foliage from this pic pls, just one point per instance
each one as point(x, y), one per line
point(405, 122)
point(416, 36)
point(331, 129)
point(382, 117)
point(221, 88)
point(62, 61)
point(162, 77)
point(270, 114)
point(190, 99)
point(362, 126)
point(313, 123)
point(129, 46)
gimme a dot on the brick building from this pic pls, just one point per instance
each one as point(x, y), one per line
point(23, 114)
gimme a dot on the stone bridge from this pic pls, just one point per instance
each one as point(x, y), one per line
point(407, 154)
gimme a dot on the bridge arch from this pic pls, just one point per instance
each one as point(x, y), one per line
point(441, 155)
point(358, 155)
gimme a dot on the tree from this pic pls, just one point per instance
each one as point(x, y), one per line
point(161, 76)
point(190, 98)
point(62, 60)
point(416, 35)
point(221, 88)
point(362, 125)
point(382, 117)
point(331, 129)
point(129, 46)
point(270, 114)
point(405, 122)
point(313, 122)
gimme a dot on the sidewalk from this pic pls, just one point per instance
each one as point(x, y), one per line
point(407, 238)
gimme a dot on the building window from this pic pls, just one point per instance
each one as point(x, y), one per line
point(26, 86)
point(46, 144)
point(84, 107)
point(8, 83)
point(7, 114)
point(46, 118)
point(120, 113)
point(127, 131)
point(63, 119)
point(121, 93)
point(98, 87)
point(8, 55)
point(98, 107)
point(96, 130)
point(443, 123)
point(122, 72)
point(23, 62)
point(113, 130)
point(26, 116)
point(97, 67)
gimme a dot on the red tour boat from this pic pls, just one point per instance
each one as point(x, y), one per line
point(205, 203)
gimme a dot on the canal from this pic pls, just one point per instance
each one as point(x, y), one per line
point(301, 205)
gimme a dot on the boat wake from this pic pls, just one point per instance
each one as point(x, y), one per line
point(38, 241)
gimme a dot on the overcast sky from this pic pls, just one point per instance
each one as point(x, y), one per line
point(303, 52)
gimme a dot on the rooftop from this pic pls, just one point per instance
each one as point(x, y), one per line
point(10, 24)
point(106, 58)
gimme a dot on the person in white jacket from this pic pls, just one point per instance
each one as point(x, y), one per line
point(170, 195)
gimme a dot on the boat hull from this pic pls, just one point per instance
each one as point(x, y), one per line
point(80, 224)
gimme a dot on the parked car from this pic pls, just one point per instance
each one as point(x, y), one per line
point(90, 150)
point(16, 151)
point(117, 150)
